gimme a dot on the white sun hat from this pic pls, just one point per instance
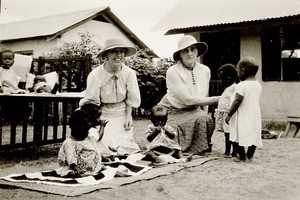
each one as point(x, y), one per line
point(116, 42)
point(186, 41)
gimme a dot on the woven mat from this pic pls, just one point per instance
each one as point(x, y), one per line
point(116, 182)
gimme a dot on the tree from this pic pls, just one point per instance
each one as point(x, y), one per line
point(75, 49)
point(151, 78)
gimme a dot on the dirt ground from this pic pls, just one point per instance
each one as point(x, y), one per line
point(273, 174)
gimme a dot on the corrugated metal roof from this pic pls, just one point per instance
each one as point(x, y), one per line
point(45, 26)
point(200, 13)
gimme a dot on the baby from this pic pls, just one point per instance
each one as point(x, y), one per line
point(161, 137)
point(41, 86)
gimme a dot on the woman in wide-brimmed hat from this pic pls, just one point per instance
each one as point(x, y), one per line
point(114, 87)
point(187, 97)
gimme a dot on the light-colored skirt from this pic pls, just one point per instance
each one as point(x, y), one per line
point(115, 135)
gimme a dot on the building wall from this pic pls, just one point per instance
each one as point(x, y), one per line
point(279, 99)
point(100, 31)
point(40, 47)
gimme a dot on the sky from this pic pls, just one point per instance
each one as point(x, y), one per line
point(140, 16)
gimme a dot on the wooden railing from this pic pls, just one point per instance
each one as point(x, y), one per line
point(37, 119)
point(49, 118)
point(72, 71)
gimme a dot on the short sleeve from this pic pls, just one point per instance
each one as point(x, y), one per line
point(133, 92)
point(94, 134)
point(92, 92)
point(241, 89)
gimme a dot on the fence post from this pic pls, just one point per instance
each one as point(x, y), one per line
point(42, 61)
point(88, 63)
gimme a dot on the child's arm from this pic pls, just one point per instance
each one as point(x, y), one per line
point(102, 127)
point(8, 83)
point(169, 131)
point(152, 133)
point(234, 107)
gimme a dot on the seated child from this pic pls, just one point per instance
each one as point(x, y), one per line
point(79, 154)
point(8, 77)
point(161, 137)
point(41, 86)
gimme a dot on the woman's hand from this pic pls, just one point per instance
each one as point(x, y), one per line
point(128, 122)
point(227, 119)
point(103, 122)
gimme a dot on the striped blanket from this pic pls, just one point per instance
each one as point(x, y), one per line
point(119, 168)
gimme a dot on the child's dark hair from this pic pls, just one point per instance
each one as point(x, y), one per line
point(7, 51)
point(249, 66)
point(39, 78)
point(80, 122)
point(93, 110)
point(228, 74)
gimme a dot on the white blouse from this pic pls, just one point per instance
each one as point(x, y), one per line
point(106, 88)
point(196, 82)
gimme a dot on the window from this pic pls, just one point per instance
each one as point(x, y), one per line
point(26, 53)
point(281, 54)
point(223, 47)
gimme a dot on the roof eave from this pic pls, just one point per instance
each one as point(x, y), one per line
point(59, 33)
point(257, 24)
point(112, 18)
point(24, 39)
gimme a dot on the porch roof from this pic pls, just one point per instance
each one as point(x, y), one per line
point(53, 26)
point(191, 15)
point(45, 26)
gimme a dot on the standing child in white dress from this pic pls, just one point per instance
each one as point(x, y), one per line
point(228, 76)
point(244, 116)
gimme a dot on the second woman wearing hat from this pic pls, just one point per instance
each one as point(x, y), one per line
point(114, 87)
point(187, 97)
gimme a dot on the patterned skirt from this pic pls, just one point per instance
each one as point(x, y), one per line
point(194, 128)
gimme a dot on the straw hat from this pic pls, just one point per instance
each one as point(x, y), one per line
point(187, 41)
point(116, 42)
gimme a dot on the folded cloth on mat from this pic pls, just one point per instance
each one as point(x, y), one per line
point(113, 169)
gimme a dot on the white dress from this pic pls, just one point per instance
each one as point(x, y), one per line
point(10, 76)
point(113, 92)
point(245, 124)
